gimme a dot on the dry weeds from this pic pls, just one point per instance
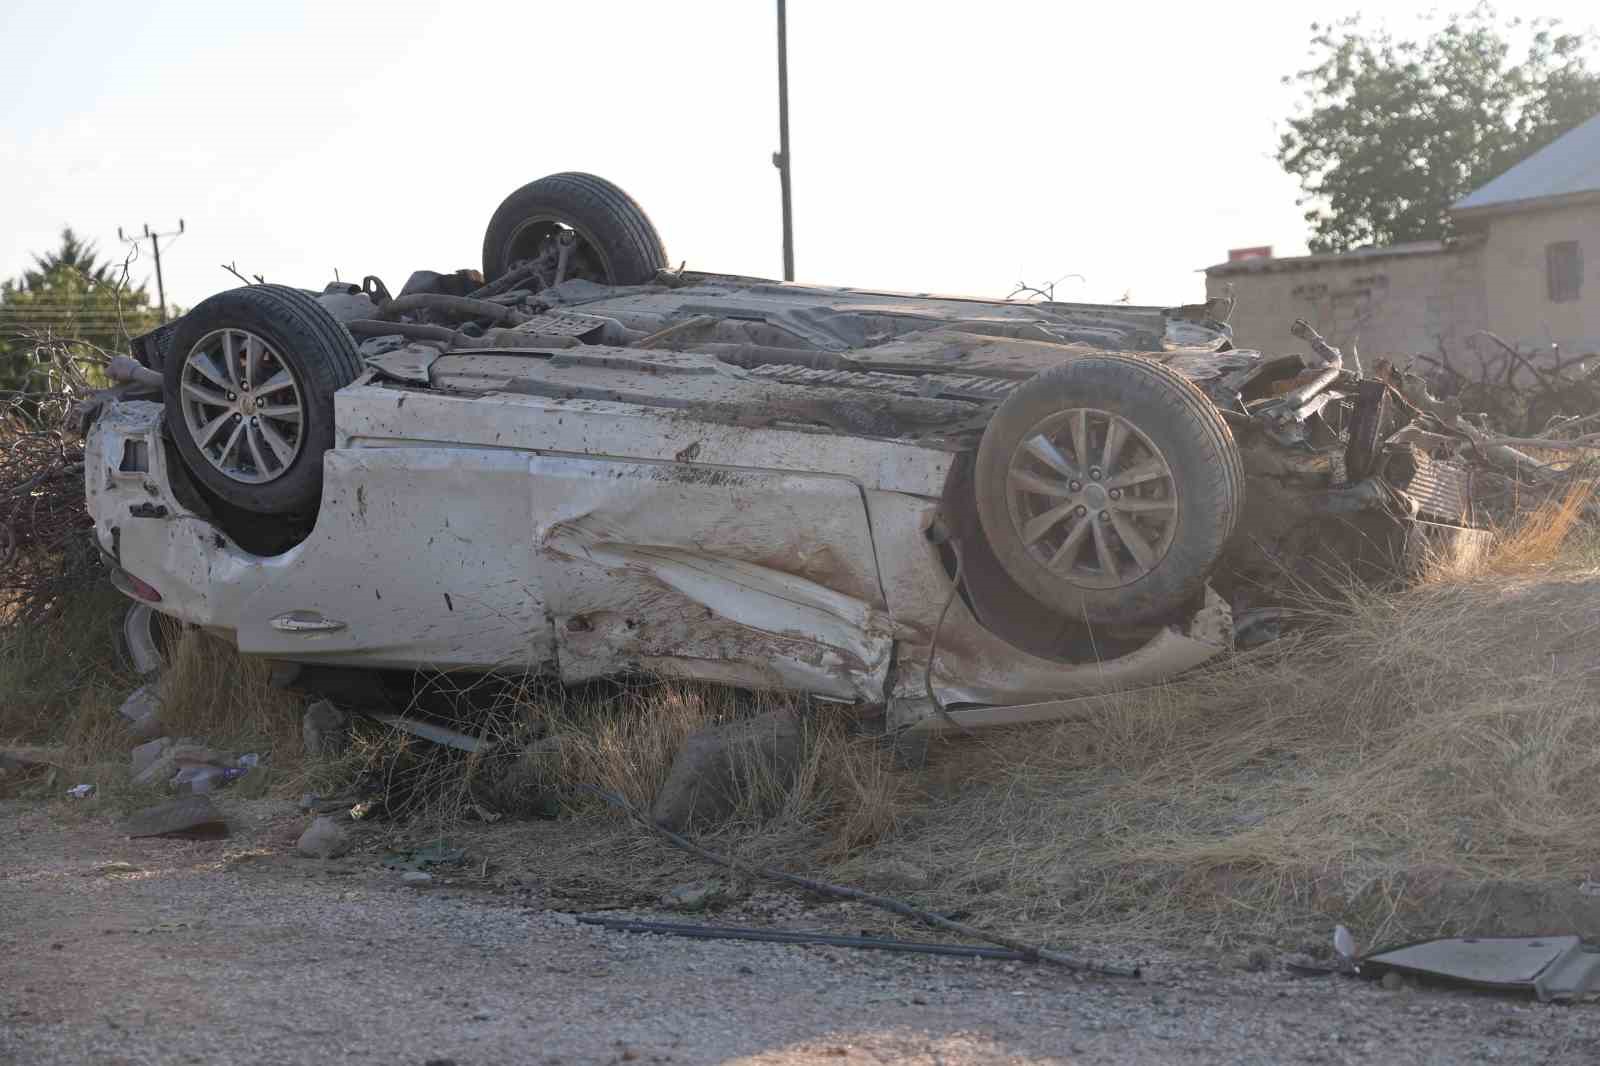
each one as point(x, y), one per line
point(1395, 744)
point(1392, 744)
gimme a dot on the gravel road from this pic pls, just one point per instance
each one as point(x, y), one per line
point(123, 951)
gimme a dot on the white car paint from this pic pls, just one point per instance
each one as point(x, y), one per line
point(510, 532)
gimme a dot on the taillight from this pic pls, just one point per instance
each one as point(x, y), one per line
point(129, 585)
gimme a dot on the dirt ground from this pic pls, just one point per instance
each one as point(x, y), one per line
point(236, 951)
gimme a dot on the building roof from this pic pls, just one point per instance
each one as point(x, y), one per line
point(1265, 265)
point(1567, 167)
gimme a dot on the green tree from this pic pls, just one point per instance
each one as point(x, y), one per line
point(75, 254)
point(1391, 132)
point(69, 299)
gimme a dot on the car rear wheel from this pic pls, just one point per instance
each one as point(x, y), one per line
point(1107, 487)
point(610, 239)
point(249, 386)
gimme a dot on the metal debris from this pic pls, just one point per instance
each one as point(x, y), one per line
point(1552, 968)
point(428, 731)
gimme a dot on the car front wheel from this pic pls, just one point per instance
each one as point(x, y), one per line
point(1107, 488)
point(249, 387)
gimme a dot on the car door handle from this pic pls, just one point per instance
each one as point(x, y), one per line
point(305, 622)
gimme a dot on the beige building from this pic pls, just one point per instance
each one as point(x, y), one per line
point(1525, 266)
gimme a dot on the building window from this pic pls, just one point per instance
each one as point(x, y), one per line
point(1563, 271)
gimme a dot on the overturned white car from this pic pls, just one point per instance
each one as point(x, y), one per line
point(581, 461)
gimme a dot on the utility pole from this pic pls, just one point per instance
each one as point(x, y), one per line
point(780, 158)
point(155, 248)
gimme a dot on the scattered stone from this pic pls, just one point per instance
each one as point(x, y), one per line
point(147, 728)
point(142, 710)
point(897, 873)
point(189, 754)
point(703, 785)
point(159, 770)
point(146, 754)
point(696, 896)
point(325, 729)
point(202, 779)
point(416, 877)
point(325, 838)
point(1393, 982)
point(190, 816)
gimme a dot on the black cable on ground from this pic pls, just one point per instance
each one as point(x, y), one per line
point(788, 936)
point(1030, 951)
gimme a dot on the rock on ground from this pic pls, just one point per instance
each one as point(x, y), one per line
point(702, 786)
point(696, 896)
point(161, 763)
point(189, 816)
point(146, 754)
point(325, 838)
point(142, 710)
point(325, 729)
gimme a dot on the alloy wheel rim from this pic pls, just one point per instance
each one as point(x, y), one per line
point(1092, 498)
point(242, 406)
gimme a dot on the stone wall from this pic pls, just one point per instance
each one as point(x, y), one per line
point(1386, 305)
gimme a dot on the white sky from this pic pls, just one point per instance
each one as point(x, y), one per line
point(938, 146)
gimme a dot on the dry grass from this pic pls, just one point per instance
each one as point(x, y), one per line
point(212, 693)
point(1393, 744)
point(543, 744)
point(1450, 733)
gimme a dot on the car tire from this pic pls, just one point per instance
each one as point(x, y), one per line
point(261, 455)
point(1116, 535)
point(607, 219)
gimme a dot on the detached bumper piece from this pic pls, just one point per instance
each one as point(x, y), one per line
point(1552, 968)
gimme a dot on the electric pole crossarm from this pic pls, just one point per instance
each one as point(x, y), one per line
point(155, 251)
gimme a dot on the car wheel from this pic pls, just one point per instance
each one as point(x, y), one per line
point(249, 384)
point(614, 241)
point(1107, 487)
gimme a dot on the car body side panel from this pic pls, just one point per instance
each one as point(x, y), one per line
point(725, 574)
point(471, 555)
point(371, 416)
point(971, 664)
point(425, 555)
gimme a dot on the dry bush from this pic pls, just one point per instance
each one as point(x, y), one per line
point(544, 744)
point(1449, 732)
point(212, 693)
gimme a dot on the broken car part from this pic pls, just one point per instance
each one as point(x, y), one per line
point(1552, 968)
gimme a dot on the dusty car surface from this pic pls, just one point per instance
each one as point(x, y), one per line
point(583, 461)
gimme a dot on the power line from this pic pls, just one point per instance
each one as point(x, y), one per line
point(155, 247)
